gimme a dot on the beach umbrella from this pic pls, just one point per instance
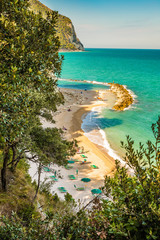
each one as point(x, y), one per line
point(85, 179)
point(52, 176)
point(46, 169)
point(96, 191)
point(70, 161)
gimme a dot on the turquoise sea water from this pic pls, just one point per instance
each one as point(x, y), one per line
point(138, 69)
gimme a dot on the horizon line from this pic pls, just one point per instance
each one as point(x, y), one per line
point(122, 48)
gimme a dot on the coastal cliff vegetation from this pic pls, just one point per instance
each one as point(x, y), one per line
point(64, 28)
point(129, 208)
point(130, 205)
point(29, 53)
point(124, 98)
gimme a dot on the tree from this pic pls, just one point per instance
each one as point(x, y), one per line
point(29, 54)
point(133, 205)
point(130, 210)
point(48, 146)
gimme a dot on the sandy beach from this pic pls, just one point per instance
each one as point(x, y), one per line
point(69, 117)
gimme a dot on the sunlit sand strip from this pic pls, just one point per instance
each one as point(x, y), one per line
point(80, 103)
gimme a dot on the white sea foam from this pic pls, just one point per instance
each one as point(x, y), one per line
point(106, 84)
point(97, 135)
point(134, 96)
point(85, 81)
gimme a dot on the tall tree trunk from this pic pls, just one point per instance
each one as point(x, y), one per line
point(4, 169)
point(13, 158)
point(16, 163)
point(38, 185)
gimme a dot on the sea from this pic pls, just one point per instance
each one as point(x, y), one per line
point(139, 71)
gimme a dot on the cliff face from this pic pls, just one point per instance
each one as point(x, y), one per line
point(65, 28)
point(76, 40)
point(67, 34)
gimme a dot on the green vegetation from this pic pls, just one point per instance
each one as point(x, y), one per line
point(64, 28)
point(130, 208)
point(29, 54)
point(64, 32)
point(37, 7)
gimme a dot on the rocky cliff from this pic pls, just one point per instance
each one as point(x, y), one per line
point(65, 28)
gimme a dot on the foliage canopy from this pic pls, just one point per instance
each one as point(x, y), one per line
point(129, 209)
point(30, 64)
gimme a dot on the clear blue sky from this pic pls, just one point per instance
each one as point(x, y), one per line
point(113, 23)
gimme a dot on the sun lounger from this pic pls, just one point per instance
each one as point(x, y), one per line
point(80, 189)
point(54, 178)
point(75, 160)
point(68, 167)
point(84, 156)
point(94, 167)
point(46, 169)
point(71, 177)
point(85, 163)
point(62, 189)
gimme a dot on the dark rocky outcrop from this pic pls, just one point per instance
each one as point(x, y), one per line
point(124, 97)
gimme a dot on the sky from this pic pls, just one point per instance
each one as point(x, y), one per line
point(113, 23)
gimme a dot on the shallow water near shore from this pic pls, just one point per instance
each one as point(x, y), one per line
point(139, 70)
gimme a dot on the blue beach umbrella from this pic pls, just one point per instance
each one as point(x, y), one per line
point(52, 176)
point(71, 161)
point(46, 169)
point(96, 191)
point(85, 179)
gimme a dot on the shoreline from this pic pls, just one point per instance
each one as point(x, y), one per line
point(69, 117)
point(70, 50)
point(125, 97)
point(80, 103)
point(78, 134)
point(72, 120)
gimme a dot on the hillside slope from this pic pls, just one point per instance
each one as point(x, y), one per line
point(65, 28)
